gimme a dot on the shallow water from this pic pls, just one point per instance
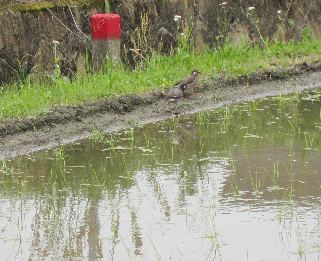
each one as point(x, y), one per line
point(238, 183)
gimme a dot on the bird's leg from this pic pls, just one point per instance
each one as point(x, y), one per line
point(177, 111)
point(183, 98)
point(169, 108)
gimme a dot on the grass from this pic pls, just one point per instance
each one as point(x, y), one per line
point(27, 99)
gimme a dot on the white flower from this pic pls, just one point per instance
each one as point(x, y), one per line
point(251, 8)
point(55, 42)
point(279, 11)
point(177, 17)
point(224, 3)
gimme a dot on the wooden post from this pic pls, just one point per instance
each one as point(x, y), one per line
point(106, 36)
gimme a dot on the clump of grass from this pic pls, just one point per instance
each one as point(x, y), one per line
point(141, 40)
point(25, 99)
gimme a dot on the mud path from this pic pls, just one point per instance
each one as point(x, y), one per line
point(68, 124)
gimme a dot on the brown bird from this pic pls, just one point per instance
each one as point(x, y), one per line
point(175, 95)
point(191, 80)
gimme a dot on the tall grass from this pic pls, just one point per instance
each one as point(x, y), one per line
point(20, 100)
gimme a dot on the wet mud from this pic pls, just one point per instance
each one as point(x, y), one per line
point(71, 123)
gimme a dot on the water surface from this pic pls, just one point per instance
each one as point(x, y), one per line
point(237, 183)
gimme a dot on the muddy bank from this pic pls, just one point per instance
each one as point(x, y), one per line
point(67, 124)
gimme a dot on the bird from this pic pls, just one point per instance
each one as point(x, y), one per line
point(175, 95)
point(191, 80)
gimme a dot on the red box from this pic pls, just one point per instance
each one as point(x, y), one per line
point(105, 26)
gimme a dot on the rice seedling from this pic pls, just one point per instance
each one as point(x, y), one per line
point(302, 239)
point(61, 162)
point(308, 138)
point(172, 253)
point(97, 136)
point(214, 251)
point(127, 250)
point(275, 175)
point(174, 125)
point(232, 180)
point(254, 182)
point(112, 139)
point(156, 254)
point(204, 117)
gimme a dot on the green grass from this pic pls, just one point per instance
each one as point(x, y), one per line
point(21, 100)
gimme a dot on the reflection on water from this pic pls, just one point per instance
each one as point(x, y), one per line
point(239, 183)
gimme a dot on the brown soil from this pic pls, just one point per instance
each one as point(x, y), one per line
point(67, 124)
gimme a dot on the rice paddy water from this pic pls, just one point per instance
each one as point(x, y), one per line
point(238, 183)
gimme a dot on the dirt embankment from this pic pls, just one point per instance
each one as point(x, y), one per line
point(31, 30)
point(70, 123)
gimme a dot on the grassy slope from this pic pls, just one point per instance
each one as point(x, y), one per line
point(38, 5)
point(24, 100)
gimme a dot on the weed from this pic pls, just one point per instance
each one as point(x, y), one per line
point(141, 40)
point(107, 7)
point(56, 75)
point(255, 22)
point(183, 35)
point(220, 39)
